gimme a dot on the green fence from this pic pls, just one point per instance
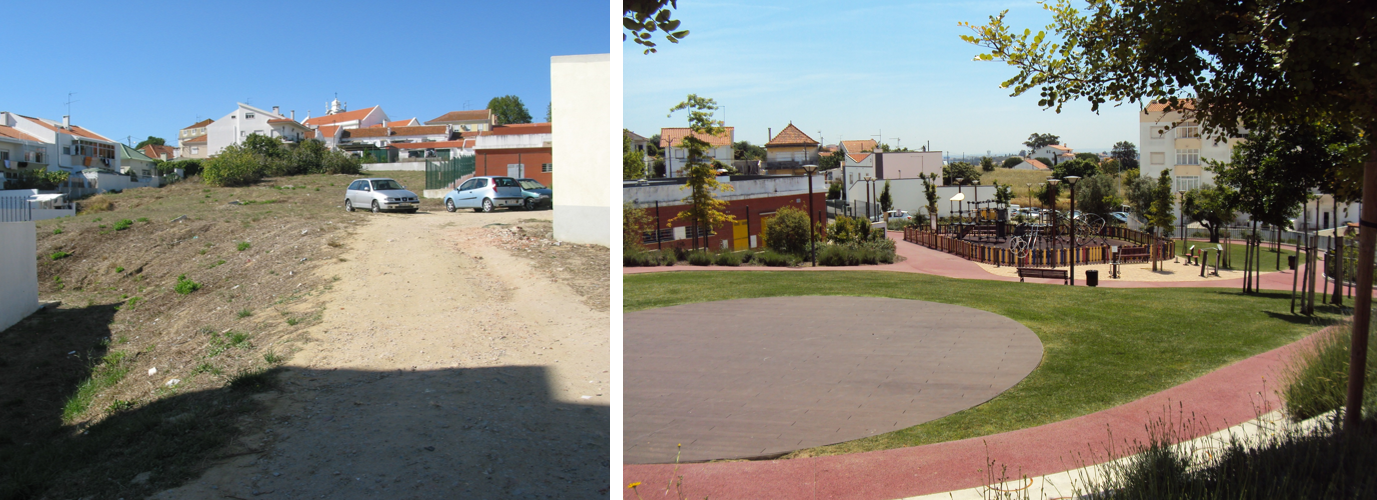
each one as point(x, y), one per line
point(441, 173)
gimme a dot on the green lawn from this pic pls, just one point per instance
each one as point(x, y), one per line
point(1237, 252)
point(1102, 347)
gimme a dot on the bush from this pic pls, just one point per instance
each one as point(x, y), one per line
point(700, 258)
point(189, 167)
point(787, 232)
point(58, 255)
point(871, 252)
point(236, 166)
point(94, 204)
point(123, 224)
point(728, 259)
point(645, 259)
point(186, 286)
point(1318, 380)
point(36, 179)
point(775, 259)
point(244, 245)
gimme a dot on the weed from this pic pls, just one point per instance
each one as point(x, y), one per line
point(119, 269)
point(293, 321)
point(97, 219)
point(102, 226)
point(185, 286)
point(57, 230)
point(252, 379)
point(334, 243)
point(206, 368)
point(143, 219)
point(119, 405)
point(244, 313)
point(203, 251)
point(106, 373)
point(243, 245)
point(217, 263)
point(272, 358)
point(133, 301)
point(123, 224)
point(59, 255)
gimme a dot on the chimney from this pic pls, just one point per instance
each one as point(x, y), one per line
point(277, 111)
point(293, 114)
point(66, 121)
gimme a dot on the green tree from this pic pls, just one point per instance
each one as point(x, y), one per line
point(1004, 193)
point(743, 150)
point(1077, 167)
point(633, 162)
point(509, 109)
point(1039, 141)
point(787, 232)
point(635, 222)
point(643, 17)
point(1098, 195)
point(930, 193)
point(236, 165)
point(652, 145)
point(550, 112)
point(156, 141)
point(886, 200)
point(264, 146)
point(1138, 192)
point(967, 172)
point(1088, 157)
point(1012, 162)
point(705, 210)
point(1126, 154)
point(834, 190)
point(1160, 217)
point(1048, 194)
point(831, 161)
point(1211, 206)
point(987, 164)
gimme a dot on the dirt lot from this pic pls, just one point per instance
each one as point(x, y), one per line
point(345, 355)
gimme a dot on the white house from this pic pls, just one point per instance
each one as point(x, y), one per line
point(247, 120)
point(339, 116)
point(1055, 152)
point(1031, 164)
point(54, 145)
point(476, 120)
point(133, 160)
point(676, 158)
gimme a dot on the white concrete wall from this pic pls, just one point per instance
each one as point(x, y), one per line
point(742, 189)
point(18, 272)
point(233, 128)
point(908, 195)
point(581, 100)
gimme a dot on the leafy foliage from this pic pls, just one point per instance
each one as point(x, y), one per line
point(787, 232)
point(967, 172)
point(987, 164)
point(930, 193)
point(635, 222)
point(643, 17)
point(1077, 167)
point(1160, 215)
point(743, 150)
point(185, 286)
point(509, 109)
point(1126, 154)
point(1098, 195)
point(235, 166)
point(37, 179)
point(1012, 162)
point(633, 162)
point(156, 141)
point(1039, 141)
point(190, 167)
point(886, 200)
point(1211, 206)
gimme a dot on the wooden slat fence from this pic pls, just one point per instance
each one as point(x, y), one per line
point(1056, 257)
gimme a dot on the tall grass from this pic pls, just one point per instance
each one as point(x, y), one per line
point(1317, 380)
point(106, 373)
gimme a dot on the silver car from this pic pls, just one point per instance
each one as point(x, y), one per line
point(379, 194)
point(483, 194)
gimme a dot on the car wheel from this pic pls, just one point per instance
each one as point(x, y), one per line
point(449, 205)
point(530, 204)
point(348, 206)
point(487, 204)
point(376, 208)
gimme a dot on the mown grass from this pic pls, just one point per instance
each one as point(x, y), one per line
point(1101, 347)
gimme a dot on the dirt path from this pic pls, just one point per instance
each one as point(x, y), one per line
point(444, 367)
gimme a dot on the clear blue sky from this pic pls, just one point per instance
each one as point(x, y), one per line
point(852, 71)
point(151, 68)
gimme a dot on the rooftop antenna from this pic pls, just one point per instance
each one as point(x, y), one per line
point(69, 103)
point(881, 137)
point(896, 142)
point(466, 104)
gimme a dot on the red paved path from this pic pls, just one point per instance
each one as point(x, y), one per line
point(1223, 398)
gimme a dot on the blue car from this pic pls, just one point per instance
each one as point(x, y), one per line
point(536, 194)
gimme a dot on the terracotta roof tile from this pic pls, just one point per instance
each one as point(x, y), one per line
point(200, 124)
point(458, 116)
point(1158, 106)
point(156, 151)
point(468, 143)
point(857, 157)
point(519, 129)
point(364, 132)
point(419, 130)
point(14, 133)
point(404, 123)
point(73, 130)
point(672, 136)
point(328, 130)
point(1036, 164)
point(859, 146)
point(200, 139)
point(358, 114)
point(791, 136)
point(1058, 147)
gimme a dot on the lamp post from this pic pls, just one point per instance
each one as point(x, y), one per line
point(868, 218)
point(1052, 184)
point(975, 183)
point(812, 238)
point(961, 213)
point(1071, 179)
point(1182, 206)
point(1029, 185)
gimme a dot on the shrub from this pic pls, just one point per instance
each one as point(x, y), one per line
point(728, 259)
point(186, 286)
point(190, 167)
point(36, 179)
point(787, 232)
point(635, 222)
point(1317, 381)
point(858, 253)
point(235, 166)
point(775, 259)
point(123, 224)
point(700, 258)
point(645, 259)
point(59, 255)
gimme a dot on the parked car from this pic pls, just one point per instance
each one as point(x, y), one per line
point(1122, 217)
point(537, 195)
point(899, 214)
point(483, 194)
point(378, 194)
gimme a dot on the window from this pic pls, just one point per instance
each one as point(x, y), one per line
point(547, 167)
point(679, 153)
point(1158, 158)
point(4, 156)
point(1187, 182)
point(1188, 157)
point(66, 150)
point(1188, 132)
point(467, 185)
point(195, 150)
point(1157, 133)
point(248, 115)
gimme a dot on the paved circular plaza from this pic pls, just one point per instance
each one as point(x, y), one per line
point(759, 377)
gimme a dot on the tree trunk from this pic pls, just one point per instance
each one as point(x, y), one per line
point(1214, 233)
point(1337, 256)
point(1362, 304)
point(1247, 266)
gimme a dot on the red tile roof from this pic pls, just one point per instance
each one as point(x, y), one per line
point(200, 139)
point(1058, 147)
point(358, 114)
point(404, 123)
point(327, 130)
point(462, 116)
point(791, 136)
point(519, 129)
point(672, 136)
point(466, 143)
point(419, 130)
point(1036, 164)
point(859, 146)
point(200, 124)
point(857, 157)
point(73, 130)
point(156, 151)
point(1157, 106)
point(14, 133)
point(365, 132)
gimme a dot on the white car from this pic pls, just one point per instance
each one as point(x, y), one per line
point(898, 214)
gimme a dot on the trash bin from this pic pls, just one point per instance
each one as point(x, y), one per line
point(1092, 277)
point(1291, 261)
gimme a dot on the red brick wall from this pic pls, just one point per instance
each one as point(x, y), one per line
point(495, 161)
point(749, 210)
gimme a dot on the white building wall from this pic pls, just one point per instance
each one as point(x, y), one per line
point(233, 128)
point(581, 99)
point(18, 272)
point(674, 165)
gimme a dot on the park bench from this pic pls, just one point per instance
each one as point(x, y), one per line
point(1038, 272)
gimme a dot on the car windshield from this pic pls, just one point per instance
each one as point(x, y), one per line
point(505, 182)
point(385, 185)
point(530, 184)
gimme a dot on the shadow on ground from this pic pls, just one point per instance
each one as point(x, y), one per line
point(291, 432)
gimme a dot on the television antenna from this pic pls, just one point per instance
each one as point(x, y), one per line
point(69, 103)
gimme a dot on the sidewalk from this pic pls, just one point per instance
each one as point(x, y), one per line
point(1228, 396)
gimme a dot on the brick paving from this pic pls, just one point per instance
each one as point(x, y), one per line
point(760, 377)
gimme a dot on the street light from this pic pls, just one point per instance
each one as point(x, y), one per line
point(1052, 184)
point(976, 184)
point(960, 213)
point(1182, 208)
point(1029, 185)
point(868, 217)
point(812, 237)
point(1071, 179)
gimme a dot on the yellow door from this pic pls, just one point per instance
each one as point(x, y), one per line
point(741, 239)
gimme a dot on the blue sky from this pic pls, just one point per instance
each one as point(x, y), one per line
point(152, 68)
point(854, 71)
